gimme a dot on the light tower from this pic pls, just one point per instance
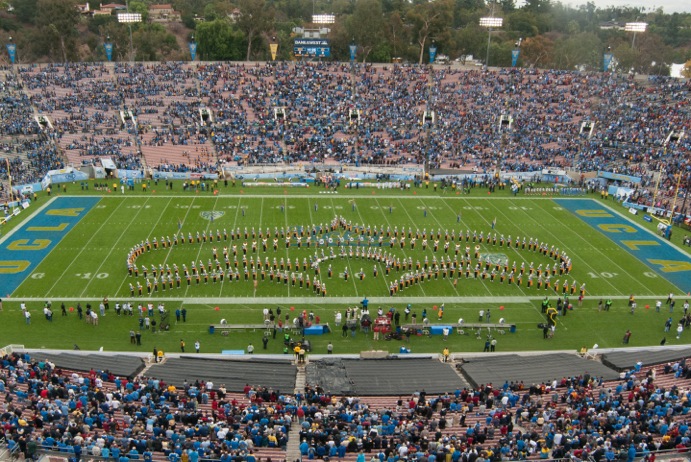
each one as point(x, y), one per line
point(490, 23)
point(635, 27)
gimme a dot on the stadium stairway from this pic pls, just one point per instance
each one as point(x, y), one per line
point(293, 446)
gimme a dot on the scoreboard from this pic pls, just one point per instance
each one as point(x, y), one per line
point(320, 48)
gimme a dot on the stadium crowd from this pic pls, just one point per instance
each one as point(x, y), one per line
point(575, 418)
point(308, 112)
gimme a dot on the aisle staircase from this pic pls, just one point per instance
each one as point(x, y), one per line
point(293, 447)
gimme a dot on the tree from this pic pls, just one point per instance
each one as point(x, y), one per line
point(367, 26)
point(523, 23)
point(152, 42)
point(25, 10)
point(686, 71)
point(58, 20)
point(396, 34)
point(429, 19)
point(256, 18)
point(537, 51)
point(218, 42)
point(141, 8)
point(584, 49)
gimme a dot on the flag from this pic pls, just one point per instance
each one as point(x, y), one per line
point(494, 222)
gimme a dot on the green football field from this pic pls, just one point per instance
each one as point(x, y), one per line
point(89, 261)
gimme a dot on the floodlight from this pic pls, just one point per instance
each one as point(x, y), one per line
point(635, 26)
point(323, 18)
point(491, 22)
point(129, 17)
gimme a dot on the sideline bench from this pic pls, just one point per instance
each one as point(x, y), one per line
point(463, 328)
point(239, 327)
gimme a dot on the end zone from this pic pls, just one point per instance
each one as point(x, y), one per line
point(24, 249)
point(655, 252)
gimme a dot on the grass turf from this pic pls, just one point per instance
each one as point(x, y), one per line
point(90, 263)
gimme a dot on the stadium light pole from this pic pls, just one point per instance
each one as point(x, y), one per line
point(490, 23)
point(635, 27)
point(129, 18)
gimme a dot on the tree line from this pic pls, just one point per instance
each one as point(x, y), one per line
point(551, 34)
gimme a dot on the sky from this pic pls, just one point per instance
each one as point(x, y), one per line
point(668, 6)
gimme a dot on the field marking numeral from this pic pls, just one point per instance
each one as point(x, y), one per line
point(514, 207)
point(473, 207)
point(38, 275)
point(605, 275)
point(650, 274)
point(137, 206)
point(558, 208)
point(88, 275)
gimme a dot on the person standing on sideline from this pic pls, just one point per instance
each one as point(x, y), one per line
point(197, 346)
point(155, 358)
point(250, 349)
point(493, 345)
point(182, 346)
point(445, 354)
point(329, 348)
point(627, 336)
point(680, 329)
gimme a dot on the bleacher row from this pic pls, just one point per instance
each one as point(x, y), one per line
point(577, 418)
point(546, 108)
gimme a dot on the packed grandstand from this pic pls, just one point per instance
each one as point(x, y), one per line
point(213, 117)
point(127, 409)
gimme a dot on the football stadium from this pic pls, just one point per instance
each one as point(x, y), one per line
point(308, 260)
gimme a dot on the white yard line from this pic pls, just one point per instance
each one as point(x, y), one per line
point(124, 231)
point(84, 247)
